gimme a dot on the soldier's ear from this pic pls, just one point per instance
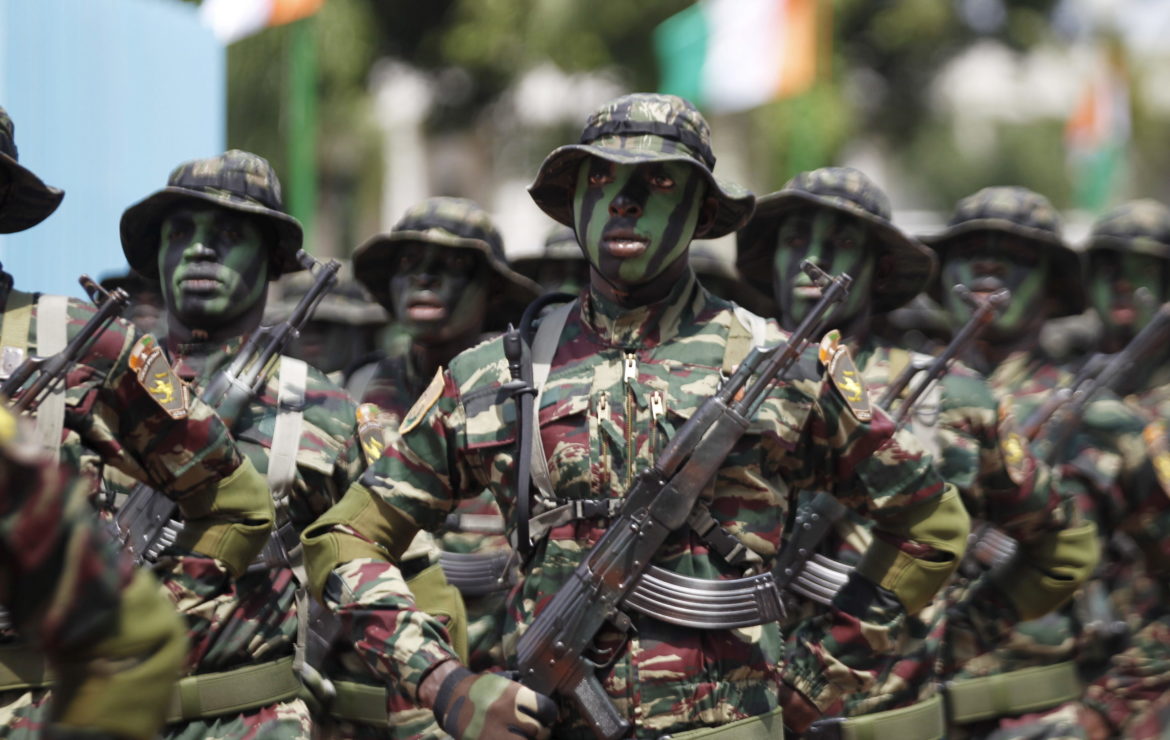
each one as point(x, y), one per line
point(707, 211)
point(883, 270)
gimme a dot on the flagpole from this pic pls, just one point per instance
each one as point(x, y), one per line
point(302, 131)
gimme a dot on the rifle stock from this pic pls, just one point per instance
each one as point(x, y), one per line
point(552, 652)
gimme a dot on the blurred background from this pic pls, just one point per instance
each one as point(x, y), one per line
point(367, 106)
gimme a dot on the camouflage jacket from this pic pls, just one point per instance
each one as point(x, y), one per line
point(622, 382)
point(393, 388)
point(110, 633)
point(235, 622)
point(977, 448)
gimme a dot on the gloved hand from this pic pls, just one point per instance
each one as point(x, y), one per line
point(488, 706)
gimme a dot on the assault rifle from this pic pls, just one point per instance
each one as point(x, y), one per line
point(146, 522)
point(552, 652)
point(51, 371)
point(1061, 413)
point(984, 313)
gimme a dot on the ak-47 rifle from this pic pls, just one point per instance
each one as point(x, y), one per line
point(984, 313)
point(551, 653)
point(1061, 413)
point(145, 524)
point(51, 371)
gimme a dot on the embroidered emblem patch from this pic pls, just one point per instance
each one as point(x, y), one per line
point(424, 403)
point(1159, 446)
point(846, 377)
point(157, 378)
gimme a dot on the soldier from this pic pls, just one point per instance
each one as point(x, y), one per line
point(1010, 237)
point(641, 349)
point(838, 218)
point(215, 236)
point(343, 330)
point(559, 267)
point(441, 273)
point(89, 609)
point(719, 275)
point(116, 409)
point(1127, 260)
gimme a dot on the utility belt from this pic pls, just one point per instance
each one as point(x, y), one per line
point(479, 574)
point(925, 720)
point(201, 696)
point(768, 726)
point(1008, 694)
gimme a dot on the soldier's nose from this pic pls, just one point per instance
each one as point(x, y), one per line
point(198, 250)
point(624, 207)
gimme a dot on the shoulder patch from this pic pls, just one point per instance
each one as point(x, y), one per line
point(848, 381)
point(371, 429)
point(1159, 448)
point(424, 403)
point(1012, 445)
point(157, 378)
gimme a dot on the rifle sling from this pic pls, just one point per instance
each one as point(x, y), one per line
point(14, 331)
point(52, 336)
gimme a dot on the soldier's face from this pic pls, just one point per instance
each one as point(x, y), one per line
point(837, 243)
point(635, 221)
point(1126, 289)
point(987, 262)
point(439, 292)
point(213, 264)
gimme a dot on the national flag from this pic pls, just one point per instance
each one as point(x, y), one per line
point(232, 20)
point(1097, 133)
point(729, 55)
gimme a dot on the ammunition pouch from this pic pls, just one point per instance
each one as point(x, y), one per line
point(1009, 694)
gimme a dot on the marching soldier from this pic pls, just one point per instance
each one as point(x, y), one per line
point(215, 236)
point(1127, 261)
point(1010, 237)
point(116, 409)
point(628, 362)
point(838, 218)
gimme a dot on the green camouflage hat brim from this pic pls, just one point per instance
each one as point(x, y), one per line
point(1137, 245)
point(914, 265)
point(141, 227)
point(1066, 289)
point(375, 262)
point(555, 183)
point(29, 200)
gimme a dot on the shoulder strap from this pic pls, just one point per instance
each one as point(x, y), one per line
point(286, 433)
point(747, 330)
point(14, 331)
point(52, 336)
point(544, 346)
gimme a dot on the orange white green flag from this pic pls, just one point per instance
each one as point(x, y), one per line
point(730, 55)
point(232, 20)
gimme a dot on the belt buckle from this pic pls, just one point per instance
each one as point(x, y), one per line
point(831, 728)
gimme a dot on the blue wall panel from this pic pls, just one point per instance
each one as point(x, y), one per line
point(107, 97)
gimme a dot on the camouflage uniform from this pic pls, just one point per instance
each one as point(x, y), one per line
point(110, 419)
point(1132, 687)
point(251, 620)
point(973, 441)
point(65, 585)
point(1097, 465)
point(622, 381)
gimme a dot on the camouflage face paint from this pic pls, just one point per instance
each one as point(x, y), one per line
point(213, 265)
point(1115, 279)
point(439, 292)
point(989, 261)
point(837, 243)
point(634, 221)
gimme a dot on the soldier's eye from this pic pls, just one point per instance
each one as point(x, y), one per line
point(662, 182)
point(597, 179)
point(846, 243)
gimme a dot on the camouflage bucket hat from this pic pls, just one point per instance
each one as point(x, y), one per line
point(28, 200)
point(1139, 227)
point(1028, 215)
point(559, 246)
point(236, 180)
point(447, 222)
point(633, 129)
point(847, 191)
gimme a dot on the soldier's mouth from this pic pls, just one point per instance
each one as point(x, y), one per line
point(199, 285)
point(1123, 315)
point(985, 286)
point(426, 308)
point(807, 292)
point(624, 244)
